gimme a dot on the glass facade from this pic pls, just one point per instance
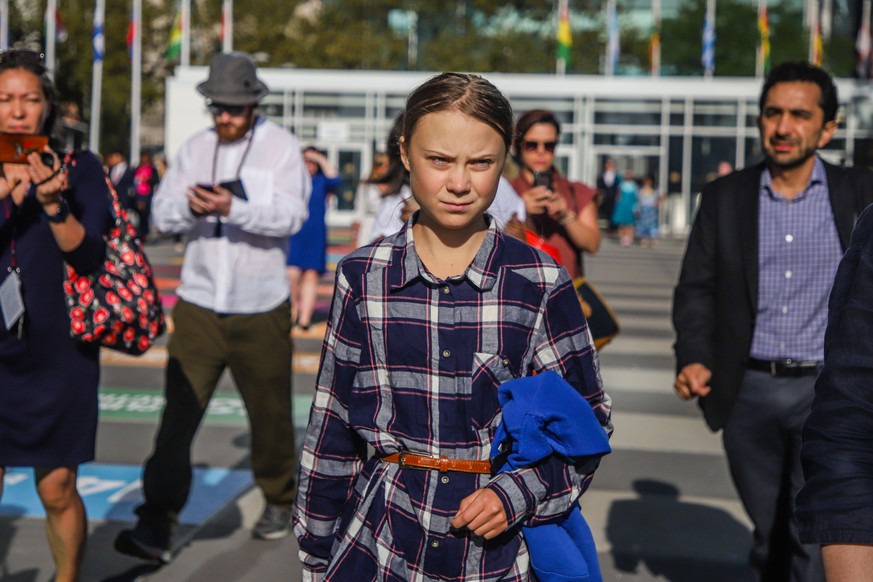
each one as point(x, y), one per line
point(675, 130)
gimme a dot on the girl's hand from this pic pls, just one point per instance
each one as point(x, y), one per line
point(482, 513)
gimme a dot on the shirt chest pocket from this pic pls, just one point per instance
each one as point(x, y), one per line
point(488, 372)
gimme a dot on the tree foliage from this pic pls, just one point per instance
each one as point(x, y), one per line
point(513, 36)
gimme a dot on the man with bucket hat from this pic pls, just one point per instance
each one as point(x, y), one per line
point(238, 190)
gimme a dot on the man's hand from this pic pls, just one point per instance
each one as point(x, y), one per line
point(693, 380)
point(482, 513)
point(202, 202)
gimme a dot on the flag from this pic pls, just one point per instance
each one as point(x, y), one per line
point(707, 56)
point(565, 39)
point(174, 48)
point(60, 29)
point(655, 50)
point(863, 42)
point(98, 41)
point(131, 35)
point(816, 50)
point(763, 39)
point(613, 47)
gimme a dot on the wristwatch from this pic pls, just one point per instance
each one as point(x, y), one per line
point(61, 213)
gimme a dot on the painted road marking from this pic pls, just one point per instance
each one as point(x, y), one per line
point(111, 492)
point(126, 404)
point(156, 357)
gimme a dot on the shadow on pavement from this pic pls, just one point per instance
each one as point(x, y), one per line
point(679, 541)
point(7, 533)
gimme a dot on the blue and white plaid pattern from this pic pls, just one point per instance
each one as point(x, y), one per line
point(413, 363)
point(799, 251)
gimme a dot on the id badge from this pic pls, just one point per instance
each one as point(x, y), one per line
point(11, 302)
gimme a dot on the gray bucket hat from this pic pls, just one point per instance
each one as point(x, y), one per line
point(233, 80)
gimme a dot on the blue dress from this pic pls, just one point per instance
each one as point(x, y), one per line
point(48, 381)
point(623, 215)
point(308, 247)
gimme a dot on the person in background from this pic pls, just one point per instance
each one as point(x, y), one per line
point(624, 213)
point(121, 177)
point(307, 253)
point(395, 478)
point(49, 215)
point(238, 189)
point(607, 192)
point(145, 180)
point(562, 213)
point(750, 307)
point(394, 186)
point(648, 215)
point(367, 199)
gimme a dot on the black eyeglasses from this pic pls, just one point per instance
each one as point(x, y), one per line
point(217, 109)
point(532, 146)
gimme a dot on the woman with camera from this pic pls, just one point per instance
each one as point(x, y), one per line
point(560, 214)
point(51, 214)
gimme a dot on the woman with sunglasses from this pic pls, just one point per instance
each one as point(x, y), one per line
point(50, 214)
point(560, 213)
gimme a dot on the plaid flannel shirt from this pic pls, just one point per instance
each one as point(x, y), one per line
point(412, 363)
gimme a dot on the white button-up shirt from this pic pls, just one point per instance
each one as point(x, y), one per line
point(243, 269)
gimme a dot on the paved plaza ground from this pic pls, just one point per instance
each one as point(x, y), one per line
point(661, 506)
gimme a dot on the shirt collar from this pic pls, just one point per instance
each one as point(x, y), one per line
point(482, 272)
point(817, 177)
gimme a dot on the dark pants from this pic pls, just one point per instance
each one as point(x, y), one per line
point(257, 349)
point(762, 441)
point(144, 210)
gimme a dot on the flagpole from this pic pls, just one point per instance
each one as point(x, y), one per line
point(814, 32)
point(185, 59)
point(656, 53)
point(227, 25)
point(50, 34)
point(135, 82)
point(98, 46)
point(4, 24)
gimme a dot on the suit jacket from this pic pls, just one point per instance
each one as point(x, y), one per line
point(716, 300)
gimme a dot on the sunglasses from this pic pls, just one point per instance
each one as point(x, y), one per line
point(532, 146)
point(217, 109)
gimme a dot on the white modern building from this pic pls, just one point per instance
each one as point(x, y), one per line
point(674, 129)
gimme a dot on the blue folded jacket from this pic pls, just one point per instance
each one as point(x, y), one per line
point(543, 415)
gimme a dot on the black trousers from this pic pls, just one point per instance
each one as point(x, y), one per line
point(762, 441)
point(257, 350)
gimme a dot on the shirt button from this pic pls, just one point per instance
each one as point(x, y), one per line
point(446, 290)
point(447, 353)
point(444, 479)
point(506, 362)
point(785, 309)
point(435, 544)
point(789, 237)
point(787, 274)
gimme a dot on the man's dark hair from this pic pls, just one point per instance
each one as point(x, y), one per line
point(804, 72)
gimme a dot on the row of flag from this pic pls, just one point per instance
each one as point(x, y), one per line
point(863, 44)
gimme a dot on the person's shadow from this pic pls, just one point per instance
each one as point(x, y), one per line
point(7, 533)
point(682, 542)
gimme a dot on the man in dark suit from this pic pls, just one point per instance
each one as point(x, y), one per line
point(750, 306)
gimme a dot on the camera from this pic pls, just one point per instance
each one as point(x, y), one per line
point(543, 179)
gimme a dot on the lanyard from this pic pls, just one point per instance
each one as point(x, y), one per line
point(13, 261)
point(242, 160)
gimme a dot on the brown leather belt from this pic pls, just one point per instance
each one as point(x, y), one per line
point(442, 464)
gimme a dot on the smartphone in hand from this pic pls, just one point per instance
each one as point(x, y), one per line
point(15, 147)
point(543, 179)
